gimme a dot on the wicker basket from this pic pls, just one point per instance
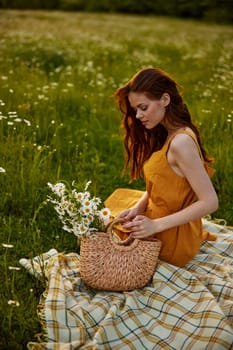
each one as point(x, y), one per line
point(108, 264)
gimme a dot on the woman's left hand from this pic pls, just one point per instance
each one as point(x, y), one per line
point(141, 226)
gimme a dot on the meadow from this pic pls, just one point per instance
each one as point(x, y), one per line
point(59, 121)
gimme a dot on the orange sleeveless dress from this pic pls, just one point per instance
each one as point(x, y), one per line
point(168, 193)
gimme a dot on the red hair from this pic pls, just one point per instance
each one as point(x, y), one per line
point(139, 142)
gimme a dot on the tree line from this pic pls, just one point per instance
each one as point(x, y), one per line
point(210, 10)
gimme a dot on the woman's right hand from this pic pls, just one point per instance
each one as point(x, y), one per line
point(137, 209)
point(128, 214)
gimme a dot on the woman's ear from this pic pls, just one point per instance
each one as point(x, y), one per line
point(165, 99)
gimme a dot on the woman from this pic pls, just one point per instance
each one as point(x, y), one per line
point(180, 308)
point(162, 143)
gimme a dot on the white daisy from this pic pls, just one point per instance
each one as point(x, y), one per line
point(104, 215)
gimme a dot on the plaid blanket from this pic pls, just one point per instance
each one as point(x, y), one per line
point(182, 308)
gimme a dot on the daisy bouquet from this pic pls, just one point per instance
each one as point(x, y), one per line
point(79, 212)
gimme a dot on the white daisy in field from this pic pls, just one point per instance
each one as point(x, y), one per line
point(27, 122)
point(5, 245)
point(16, 268)
point(13, 302)
point(2, 170)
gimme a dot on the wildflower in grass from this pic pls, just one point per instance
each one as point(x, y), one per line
point(54, 84)
point(229, 116)
point(2, 170)
point(16, 268)
point(13, 302)
point(79, 212)
point(27, 122)
point(5, 245)
point(41, 97)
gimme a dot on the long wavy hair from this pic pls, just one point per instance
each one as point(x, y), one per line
point(140, 142)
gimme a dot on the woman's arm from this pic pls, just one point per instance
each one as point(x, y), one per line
point(183, 153)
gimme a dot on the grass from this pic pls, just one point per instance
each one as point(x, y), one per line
point(58, 121)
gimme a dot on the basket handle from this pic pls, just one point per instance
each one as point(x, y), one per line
point(110, 228)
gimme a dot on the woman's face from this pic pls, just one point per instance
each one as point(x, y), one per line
point(149, 112)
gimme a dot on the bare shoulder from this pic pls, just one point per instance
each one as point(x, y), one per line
point(182, 142)
point(184, 147)
point(183, 154)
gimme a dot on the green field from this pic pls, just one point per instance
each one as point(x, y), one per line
point(59, 121)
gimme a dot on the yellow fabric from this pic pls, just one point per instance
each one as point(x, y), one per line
point(119, 200)
point(168, 193)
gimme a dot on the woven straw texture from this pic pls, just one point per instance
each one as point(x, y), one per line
point(108, 265)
